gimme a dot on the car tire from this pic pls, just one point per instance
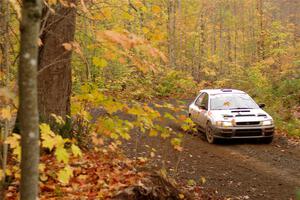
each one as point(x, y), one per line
point(209, 134)
point(267, 140)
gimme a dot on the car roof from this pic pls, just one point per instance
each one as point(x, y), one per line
point(222, 91)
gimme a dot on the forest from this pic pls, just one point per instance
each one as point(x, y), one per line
point(94, 95)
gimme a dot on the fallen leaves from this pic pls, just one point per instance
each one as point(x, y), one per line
point(93, 176)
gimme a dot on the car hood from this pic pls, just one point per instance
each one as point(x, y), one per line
point(240, 115)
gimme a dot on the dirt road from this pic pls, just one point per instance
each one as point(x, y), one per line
point(235, 169)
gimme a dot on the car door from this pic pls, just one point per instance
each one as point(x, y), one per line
point(195, 110)
point(203, 109)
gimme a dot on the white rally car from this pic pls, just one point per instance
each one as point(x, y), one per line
point(228, 113)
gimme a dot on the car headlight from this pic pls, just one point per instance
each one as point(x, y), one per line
point(267, 122)
point(224, 123)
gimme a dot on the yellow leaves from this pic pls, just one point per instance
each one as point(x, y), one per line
point(153, 133)
point(125, 135)
point(48, 137)
point(106, 12)
point(181, 196)
point(14, 142)
point(112, 106)
point(52, 2)
point(50, 141)
point(188, 125)
point(169, 116)
point(135, 111)
point(64, 175)
point(6, 113)
point(62, 155)
point(1, 174)
point(99, 62)
point(128, 16)
point(42, 167)
point(176, 141)
point(156, 9)
point(145, 30)
point(191, 182)
point(76, 151)
point(58, 119)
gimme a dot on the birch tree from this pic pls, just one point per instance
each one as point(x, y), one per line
point(29, 120)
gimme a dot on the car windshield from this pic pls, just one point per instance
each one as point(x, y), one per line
point(232, 101)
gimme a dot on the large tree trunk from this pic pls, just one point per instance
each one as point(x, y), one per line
point(29, 118)
point(54, 78)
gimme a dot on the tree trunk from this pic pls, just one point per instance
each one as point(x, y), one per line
point(54, 78)
point(4, 68)
point(261, 43)
point(171, 32)
point(4, 37)
point(202, 41)
point(221, 40)
point(236, 29)
point(29, 118)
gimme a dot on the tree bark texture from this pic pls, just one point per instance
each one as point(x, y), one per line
point(172, 32)
point(4, 36)
point(4, 78)
point(54, 78)
point(29, 120)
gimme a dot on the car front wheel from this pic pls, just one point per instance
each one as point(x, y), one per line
point(209, 134)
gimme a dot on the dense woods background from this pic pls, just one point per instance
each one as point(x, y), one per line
point(109, 52)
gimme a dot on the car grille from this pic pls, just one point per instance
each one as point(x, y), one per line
point(248, 132)
point(247, 123)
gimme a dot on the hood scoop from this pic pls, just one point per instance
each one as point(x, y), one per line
point(261, 115)
point(239, 111)
point(227, 116)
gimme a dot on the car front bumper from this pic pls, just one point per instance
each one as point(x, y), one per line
point(244, 132)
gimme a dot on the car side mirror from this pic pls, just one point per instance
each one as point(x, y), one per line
point(262, 105)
